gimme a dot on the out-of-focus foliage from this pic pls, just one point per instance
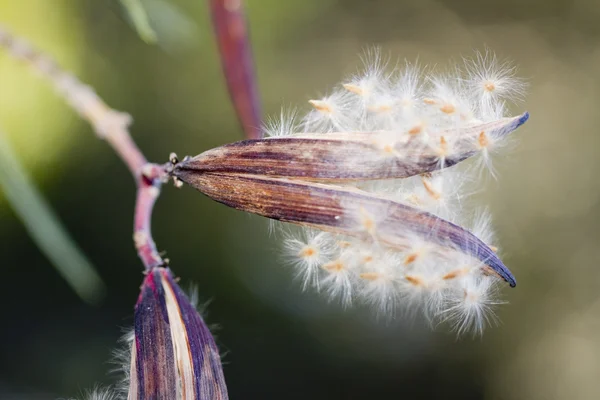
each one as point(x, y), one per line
point(161, 22)
point(40, 127)
point(45, 227)
point(139, 19)
point(282, 343)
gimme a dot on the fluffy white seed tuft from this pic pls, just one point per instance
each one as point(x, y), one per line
point(103, 394)
point(472, 307)
point(491, 81)
point(308, 251)
point(285, 125)
point(428, 114)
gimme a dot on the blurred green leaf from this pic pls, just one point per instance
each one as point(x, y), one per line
point(45, 227)
point(139, 19)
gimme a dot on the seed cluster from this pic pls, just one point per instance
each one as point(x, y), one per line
point(409, 114)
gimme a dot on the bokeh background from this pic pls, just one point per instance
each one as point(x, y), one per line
point(280, 343)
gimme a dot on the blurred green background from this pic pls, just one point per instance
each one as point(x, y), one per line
point(280, 343)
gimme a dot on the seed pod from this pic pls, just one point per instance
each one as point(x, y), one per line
point(346, 211)
point(174, 355)
point(351, 156)
point(382, 215)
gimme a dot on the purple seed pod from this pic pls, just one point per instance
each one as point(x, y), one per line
point(348, 156)
point(174, 355)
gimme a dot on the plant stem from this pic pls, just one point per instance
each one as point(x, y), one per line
point(110, 125)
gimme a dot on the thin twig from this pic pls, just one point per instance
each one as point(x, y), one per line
point(110, 125)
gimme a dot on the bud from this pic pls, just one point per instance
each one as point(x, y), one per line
point(173, 355)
